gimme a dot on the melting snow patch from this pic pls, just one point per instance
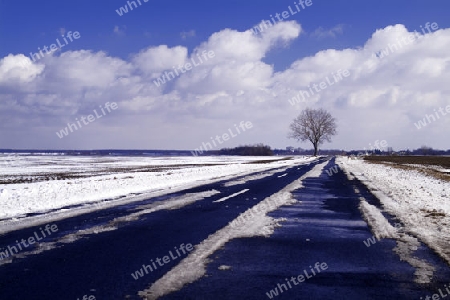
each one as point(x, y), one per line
point(406, 244)
point(418, 201)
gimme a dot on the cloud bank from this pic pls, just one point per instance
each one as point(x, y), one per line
point(392, 84)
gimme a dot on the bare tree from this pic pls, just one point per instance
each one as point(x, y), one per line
point(314, 125)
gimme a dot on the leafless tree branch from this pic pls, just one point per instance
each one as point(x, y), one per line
point(314, 125)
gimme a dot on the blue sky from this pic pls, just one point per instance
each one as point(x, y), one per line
point(338, 25)
point(26, 25)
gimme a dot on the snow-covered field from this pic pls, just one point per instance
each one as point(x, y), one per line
point(43, 184)
point(419, 202)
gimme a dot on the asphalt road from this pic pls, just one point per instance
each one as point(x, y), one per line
point(326, 227)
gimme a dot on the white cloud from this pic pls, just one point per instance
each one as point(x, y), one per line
point(157, 59)
point(18, 68)
point(119, 30)
point(381, 99)
point(332, 32)
point(187, 34)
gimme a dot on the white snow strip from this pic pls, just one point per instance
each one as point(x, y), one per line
point(193, 266)
point(419, 202)
point(406, 244)
point(380, 226)
point(282, 175)
point(231, 196)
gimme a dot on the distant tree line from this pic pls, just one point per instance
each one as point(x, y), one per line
point(424, 150)
point(248, 150)
point(308, 152)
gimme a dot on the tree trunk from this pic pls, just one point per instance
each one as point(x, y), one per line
point(315, 149)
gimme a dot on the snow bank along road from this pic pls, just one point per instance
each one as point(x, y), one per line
point(244, 235)
point(419, 202)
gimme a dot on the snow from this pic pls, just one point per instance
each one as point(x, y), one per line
point(420, 203)
point(193, 266)
point(381, 227)
point(406, 244)
point(87, 183)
